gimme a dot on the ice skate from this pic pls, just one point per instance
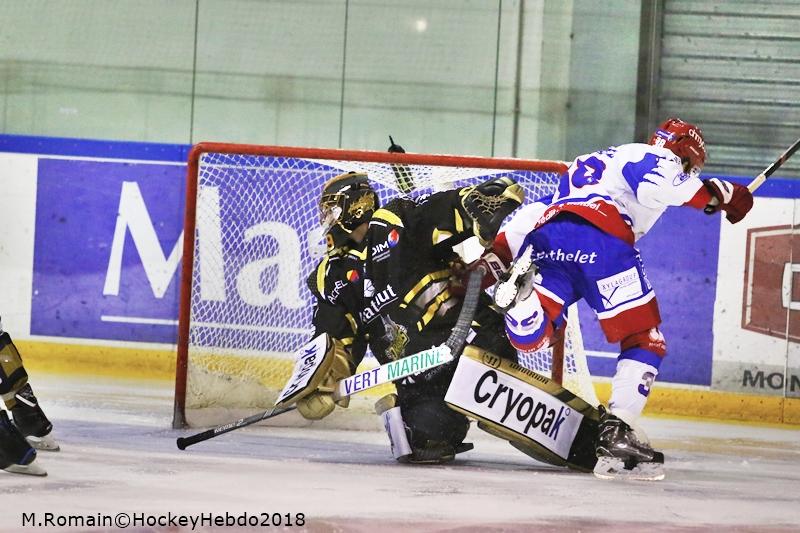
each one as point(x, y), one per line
point(621, 454)
point(32, 422)
point(16, 454)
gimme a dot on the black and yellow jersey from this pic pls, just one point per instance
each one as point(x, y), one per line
point(394, 290)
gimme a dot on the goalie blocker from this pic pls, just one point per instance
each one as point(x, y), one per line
point(534, 413)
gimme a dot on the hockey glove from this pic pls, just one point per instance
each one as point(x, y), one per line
point(494, 267)
point(488, 204)
point(736, 200)
point(321, 403)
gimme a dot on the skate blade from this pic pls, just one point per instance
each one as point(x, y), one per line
point(32, 469)
point(46, 443)
point(613, 468)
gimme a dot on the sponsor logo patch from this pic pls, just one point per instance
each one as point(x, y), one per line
point(578, 256)
point(337, 289)
point(381, 251)
point(369, 288)
point(680, 178)
point(620, 288)
point(378, 302)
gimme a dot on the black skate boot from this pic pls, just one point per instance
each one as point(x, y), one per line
point(622, 454)
point(31, 420)
point(16, 455)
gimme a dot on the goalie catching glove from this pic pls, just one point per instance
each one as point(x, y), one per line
point(488, 204)
point(736, 200)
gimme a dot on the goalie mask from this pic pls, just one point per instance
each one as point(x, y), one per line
point(348, 200)
point(684, 140)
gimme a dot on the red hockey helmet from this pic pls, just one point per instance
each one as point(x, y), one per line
point(684, 140)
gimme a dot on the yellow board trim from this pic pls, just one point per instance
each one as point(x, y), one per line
point(79, 359)
point(715, 405)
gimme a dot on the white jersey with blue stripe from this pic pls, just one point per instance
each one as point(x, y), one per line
point(639, 180)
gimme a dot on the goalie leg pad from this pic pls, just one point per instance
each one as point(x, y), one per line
point(435, 431)
point(12, 374)
point(422, 428)
point(392, 419)
point(534, 413)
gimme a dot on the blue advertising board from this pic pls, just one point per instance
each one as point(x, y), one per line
point(89, 279)
point(107, 255)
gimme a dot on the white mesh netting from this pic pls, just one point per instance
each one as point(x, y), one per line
point(255, 244)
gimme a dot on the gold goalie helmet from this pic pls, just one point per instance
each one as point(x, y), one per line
point(348, 200)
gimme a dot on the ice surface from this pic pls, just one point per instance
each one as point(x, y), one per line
point(119, 455)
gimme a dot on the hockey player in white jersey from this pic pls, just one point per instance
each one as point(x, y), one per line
point(582, 247)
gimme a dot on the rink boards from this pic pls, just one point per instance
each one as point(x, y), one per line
point(84, 296)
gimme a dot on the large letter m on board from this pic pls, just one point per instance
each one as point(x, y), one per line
point(132, 215)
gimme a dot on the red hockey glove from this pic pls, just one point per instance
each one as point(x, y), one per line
point(494, 266)
point(736, 200)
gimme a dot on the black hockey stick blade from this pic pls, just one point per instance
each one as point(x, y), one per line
point(184, 442)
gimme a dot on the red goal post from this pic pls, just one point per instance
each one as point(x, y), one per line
point(247, 249)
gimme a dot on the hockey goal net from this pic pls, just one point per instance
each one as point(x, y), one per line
point(251, 239)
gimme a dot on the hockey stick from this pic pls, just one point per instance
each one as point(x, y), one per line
point(761, 178)
point(386, 373)
point(402, 173)
point(183, 442)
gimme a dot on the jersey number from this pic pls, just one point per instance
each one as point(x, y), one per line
point(587, 172)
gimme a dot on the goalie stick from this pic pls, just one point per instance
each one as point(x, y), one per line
point(386, 373)
point(183, 442)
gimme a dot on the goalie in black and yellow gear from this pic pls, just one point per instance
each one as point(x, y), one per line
point(387, 282)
